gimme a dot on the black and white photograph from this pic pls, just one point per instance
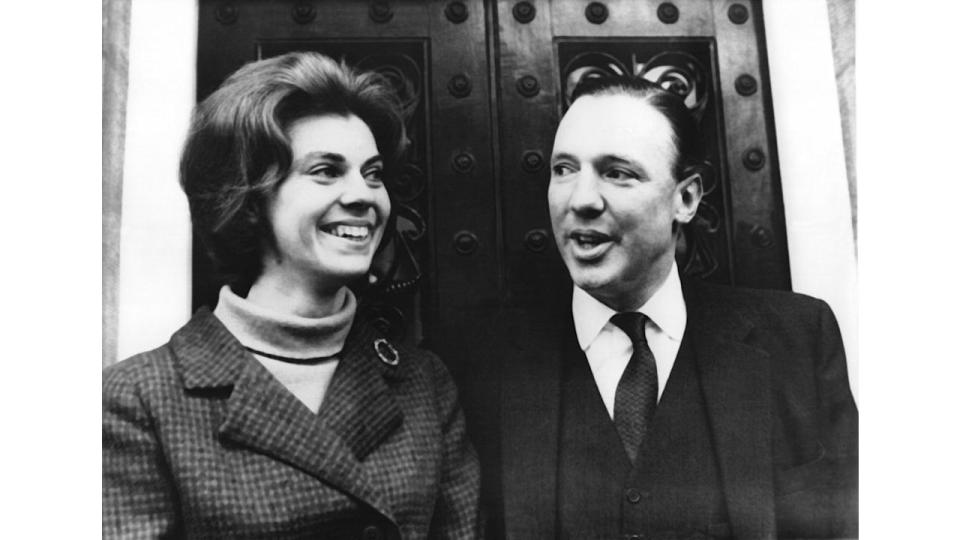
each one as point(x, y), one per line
point(502, 269)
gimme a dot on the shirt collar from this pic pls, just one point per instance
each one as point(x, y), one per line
point(665, 308)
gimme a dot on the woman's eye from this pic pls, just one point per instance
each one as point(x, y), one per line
point(374, 175)
point(324, 171)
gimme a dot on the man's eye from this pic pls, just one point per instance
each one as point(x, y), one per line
point(619, 174)
point(561, 169)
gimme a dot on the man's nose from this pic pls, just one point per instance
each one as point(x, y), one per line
point(586, 199)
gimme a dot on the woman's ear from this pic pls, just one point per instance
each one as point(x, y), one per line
point(688, 194)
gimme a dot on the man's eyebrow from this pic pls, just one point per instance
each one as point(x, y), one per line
point(563, 155)
point(614, 159)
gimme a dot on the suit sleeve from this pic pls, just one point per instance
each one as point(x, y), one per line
point(457, 513)
point(839, 424)
point(138, 494)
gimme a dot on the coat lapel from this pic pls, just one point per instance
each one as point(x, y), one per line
point(530, 426)
point(357, 414)
point(735, 380)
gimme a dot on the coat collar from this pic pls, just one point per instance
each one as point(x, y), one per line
point(358, 412)
point(735, 377)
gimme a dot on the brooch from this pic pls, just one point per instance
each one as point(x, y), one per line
point(387, 353)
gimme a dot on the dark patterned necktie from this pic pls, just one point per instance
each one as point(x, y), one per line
point(636, 397)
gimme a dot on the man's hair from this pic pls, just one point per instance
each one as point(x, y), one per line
point(238, 150)
point(687, 139)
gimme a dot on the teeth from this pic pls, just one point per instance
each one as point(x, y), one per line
point(351, 232)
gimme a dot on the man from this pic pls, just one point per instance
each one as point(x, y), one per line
point(666, 407)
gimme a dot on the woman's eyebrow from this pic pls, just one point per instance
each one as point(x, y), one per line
point(371, 161)
point(318, 156)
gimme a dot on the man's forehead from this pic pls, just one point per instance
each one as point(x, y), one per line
point(613, 125)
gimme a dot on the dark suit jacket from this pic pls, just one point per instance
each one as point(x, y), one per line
point(200, 440)
point(778, 402)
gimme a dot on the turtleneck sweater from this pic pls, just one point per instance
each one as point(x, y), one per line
point(290, 336)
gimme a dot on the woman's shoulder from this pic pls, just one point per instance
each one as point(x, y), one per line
point(153, 367)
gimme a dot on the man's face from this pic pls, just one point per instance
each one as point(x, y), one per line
point(613, 199)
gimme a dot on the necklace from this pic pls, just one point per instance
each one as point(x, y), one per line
point(303, 361)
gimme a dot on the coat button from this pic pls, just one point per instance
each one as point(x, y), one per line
point(633, 537)
point(634, 495)
point(372, 532)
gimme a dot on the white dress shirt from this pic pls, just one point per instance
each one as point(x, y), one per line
point(608, 348)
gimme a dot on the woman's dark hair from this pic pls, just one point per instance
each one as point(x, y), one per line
point(687, 140)
point(237, 152)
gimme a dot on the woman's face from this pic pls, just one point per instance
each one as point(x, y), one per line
point(328, 214)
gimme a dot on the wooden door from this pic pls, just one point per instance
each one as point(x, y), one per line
point(484, 84)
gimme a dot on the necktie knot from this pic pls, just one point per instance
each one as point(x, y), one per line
point(633, 324)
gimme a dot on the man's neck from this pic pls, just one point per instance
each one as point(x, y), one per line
point(634, 295)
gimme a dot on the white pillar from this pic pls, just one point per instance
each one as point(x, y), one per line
point(809, 138)
point(155, 253)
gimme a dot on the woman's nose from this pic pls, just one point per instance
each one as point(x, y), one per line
point(356, 190)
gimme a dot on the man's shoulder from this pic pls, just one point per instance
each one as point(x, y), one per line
point(747, 297)
point(764, 307)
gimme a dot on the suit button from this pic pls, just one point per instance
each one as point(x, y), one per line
point(633, 537)
point(634, 495)
point(372, 532)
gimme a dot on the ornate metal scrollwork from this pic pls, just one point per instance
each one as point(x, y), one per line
point(589, 65)
point(683, 75)
point(404, 75)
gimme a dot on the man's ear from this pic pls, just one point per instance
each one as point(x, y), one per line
point(688, 194)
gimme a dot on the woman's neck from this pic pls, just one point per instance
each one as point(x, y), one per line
point(286, 296)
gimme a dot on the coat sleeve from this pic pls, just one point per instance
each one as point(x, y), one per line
point(138, 494)
point(839, 425)
point(457, 514)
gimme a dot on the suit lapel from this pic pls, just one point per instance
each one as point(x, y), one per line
point(735, 381)
point(357, 414)
point(530, 426)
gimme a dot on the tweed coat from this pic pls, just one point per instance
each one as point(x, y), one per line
point(773, 378)
point(201, 441)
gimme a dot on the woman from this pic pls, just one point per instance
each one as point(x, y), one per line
point(280, 414)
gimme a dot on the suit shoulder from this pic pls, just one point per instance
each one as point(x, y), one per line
point(770, 301)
